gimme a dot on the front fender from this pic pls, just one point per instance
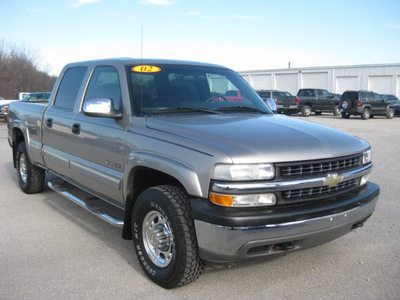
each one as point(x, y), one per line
point(185, 174)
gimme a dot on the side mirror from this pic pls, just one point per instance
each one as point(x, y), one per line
point(100, 107)
point(271, 104)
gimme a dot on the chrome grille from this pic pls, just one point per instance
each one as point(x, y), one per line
point(311, 168)
point(317, 191)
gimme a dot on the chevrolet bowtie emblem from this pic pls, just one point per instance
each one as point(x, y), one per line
point(333, 180)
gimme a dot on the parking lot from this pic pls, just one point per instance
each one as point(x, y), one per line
point(52, 249)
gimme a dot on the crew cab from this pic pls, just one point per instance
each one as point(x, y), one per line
point(150, 147)
point(317, 101)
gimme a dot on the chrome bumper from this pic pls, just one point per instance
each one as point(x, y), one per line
point(224, 244)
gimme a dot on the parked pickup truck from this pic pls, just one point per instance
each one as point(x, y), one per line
point(285, 102)
point(4, 104)
point(148, 146)
point(318, 101)
point(31, 97)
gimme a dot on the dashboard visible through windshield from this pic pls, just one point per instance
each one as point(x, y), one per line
point(186, 89)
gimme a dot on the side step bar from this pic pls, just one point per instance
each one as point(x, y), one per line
point(58, 186)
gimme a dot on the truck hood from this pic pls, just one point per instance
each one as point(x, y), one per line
point(265, 138)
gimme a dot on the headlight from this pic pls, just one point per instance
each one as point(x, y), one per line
point(244, 172)
point(367, 157)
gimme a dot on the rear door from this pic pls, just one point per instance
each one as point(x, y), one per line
point(58, 119)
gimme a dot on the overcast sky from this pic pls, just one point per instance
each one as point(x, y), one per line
point(240, 34)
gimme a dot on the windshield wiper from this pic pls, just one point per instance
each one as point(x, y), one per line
point(241, 108)
point(183, 109)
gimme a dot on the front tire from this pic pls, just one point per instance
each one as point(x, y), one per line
point(30, 177)
point(390, 113)
point(164, 236)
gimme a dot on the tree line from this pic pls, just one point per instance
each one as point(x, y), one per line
point(19, 72)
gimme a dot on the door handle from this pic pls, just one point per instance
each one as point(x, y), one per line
point(76, 128)
point(49, 123)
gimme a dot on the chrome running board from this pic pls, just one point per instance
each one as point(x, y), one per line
point(61, 187)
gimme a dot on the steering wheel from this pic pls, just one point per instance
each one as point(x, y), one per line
point(214, 97)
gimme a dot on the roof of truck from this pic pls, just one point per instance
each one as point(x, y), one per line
point(143, 61)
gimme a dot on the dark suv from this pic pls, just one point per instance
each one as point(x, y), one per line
point(365, 103)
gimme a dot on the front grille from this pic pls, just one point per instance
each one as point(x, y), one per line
point(318, 191)
point(312, 168)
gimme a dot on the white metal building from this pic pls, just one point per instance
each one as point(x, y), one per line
point(382, 78)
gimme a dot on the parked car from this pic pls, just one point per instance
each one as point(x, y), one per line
point(365, 103)
point(31, 97)
point(3, 111)
point(317, 101)
point(390, 97)
point(285, 102)
point(396, 105)
point(3, 107)
point(37, 97)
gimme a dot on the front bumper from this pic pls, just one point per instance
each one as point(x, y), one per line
point(245, 237)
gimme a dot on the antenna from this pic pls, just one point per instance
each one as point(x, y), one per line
point(141, 44)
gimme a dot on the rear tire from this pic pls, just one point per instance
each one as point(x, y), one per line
point(164, 236)
point(306, 111)
point(30, 177)
point(336, 110)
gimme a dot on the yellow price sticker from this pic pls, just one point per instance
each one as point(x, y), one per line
point(146, 69)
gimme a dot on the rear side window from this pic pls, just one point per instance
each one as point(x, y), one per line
point(349, 96)
point(370, 96)
point(306, 93)
point(69, 88)
point(326, 93)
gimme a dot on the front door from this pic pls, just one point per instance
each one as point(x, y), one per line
point(98, 156)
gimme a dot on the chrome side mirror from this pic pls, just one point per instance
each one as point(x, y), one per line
point(271, 104)
point(100, 107)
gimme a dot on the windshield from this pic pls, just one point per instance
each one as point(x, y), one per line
point(187, 89)
point(36, 97)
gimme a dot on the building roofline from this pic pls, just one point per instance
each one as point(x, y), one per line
point(319, 68)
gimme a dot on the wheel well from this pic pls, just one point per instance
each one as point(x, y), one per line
point(17, 138)
point(140, 179)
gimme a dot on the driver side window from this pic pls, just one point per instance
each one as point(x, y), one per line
point(105, 84)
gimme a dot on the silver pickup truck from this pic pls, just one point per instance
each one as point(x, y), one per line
point(155, 147)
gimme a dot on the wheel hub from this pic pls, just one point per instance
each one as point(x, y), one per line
point(23, 168)
point(158, 239)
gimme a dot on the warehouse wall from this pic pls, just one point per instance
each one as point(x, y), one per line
point(384, 78)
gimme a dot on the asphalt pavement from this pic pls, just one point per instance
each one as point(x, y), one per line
point(52, 249)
